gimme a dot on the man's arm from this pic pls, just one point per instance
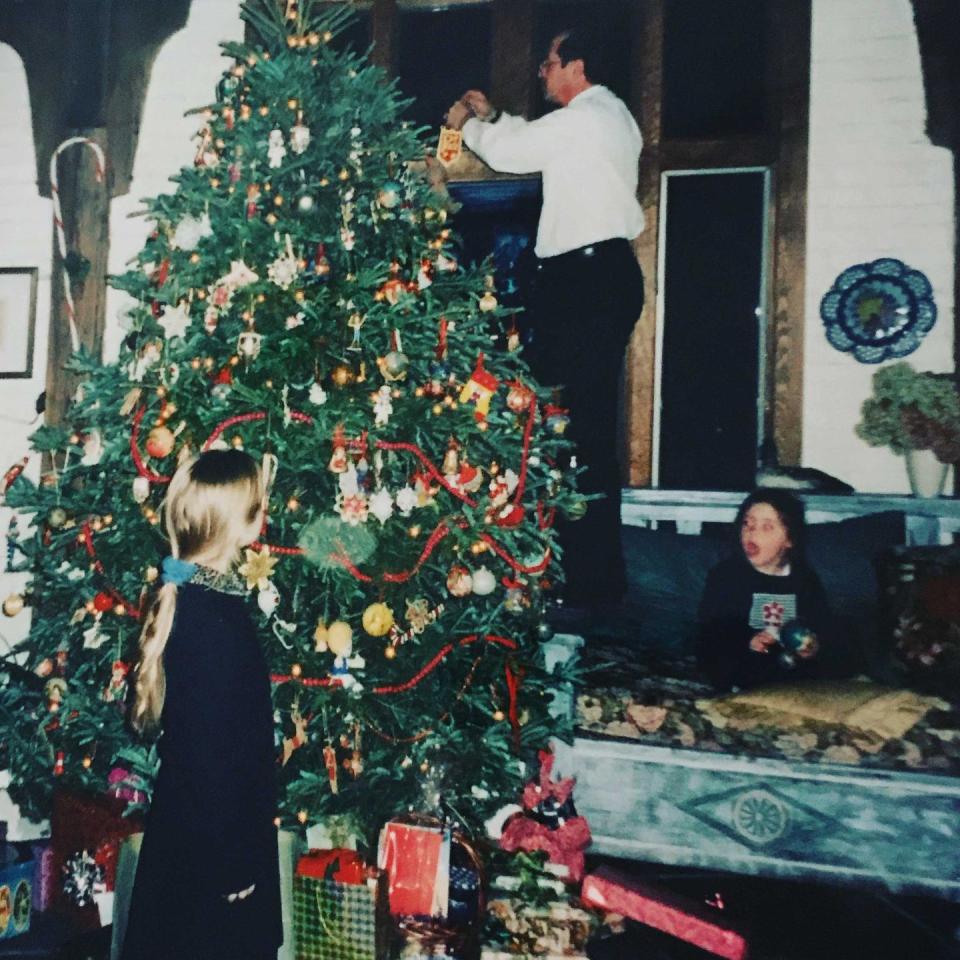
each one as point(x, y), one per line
point(505, 142)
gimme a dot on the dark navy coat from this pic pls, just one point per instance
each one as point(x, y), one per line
point(210, 828)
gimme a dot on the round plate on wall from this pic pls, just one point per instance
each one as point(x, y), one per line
point(878, 311)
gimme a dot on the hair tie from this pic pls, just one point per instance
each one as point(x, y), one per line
point(177, 571)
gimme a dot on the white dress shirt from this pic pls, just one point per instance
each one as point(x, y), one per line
point(588, 153)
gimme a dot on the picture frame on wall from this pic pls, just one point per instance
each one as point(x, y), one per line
point(18, 317)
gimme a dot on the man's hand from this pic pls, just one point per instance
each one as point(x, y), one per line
point(240, 894)
point(457, 115)
point(477, 101)
point(762, 642)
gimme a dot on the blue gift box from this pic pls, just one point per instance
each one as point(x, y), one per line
point(16, 894)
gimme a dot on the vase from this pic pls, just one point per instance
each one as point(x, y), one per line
point(926, 473)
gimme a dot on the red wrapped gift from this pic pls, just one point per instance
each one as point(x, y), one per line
point(91, 822)
point(696, 923)
point(348, 866)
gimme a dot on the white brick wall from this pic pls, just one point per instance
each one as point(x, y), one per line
point(876, 188)
point(184, 75)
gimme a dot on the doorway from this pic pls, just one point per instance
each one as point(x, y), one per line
point(711, 324)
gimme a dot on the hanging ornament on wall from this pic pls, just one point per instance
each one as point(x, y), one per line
point(878, 311)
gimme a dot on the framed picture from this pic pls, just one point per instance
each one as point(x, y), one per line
point(18, 315)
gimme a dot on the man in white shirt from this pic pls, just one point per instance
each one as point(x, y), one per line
point(589, 290)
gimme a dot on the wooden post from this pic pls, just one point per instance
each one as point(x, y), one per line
point(789, 32)
point(383, 29)
point(645, 101)
point(85, 207)
point(512, 73)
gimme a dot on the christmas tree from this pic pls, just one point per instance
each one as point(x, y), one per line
point(301, 297)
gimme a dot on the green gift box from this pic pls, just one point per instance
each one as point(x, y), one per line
point(338, 920)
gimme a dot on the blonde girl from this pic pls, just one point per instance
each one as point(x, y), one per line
point(207, 883)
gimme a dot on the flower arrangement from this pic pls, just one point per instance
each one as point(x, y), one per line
point(912, 410)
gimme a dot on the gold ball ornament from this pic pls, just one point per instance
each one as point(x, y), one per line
point(340, 638)
point(56, 518)
point(487, 302)
point(342, 375)
point(160, 442)
point(390, 652)
point(13, 604)
point(377, 619)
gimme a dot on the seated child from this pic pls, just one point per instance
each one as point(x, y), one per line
point(750, 596)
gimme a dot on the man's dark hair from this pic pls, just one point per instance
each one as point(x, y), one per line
point(582, 43)
point(790, 510)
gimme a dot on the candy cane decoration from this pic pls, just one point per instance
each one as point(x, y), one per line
point(58, 222)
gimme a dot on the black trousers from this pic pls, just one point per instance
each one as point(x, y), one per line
point(585, 305)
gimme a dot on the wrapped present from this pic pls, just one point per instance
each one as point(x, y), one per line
point(43, 876)
point(16, 881)
point(416, 858)
point(696, 923)
point(339, 919)
point(92, 825)
point(556, 929)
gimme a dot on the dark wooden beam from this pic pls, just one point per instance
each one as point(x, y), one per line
point(711, 154)
point(88, 65)
point(85, 208)
point(788, 23)
point(639, 376)
point(384, 28)
point(512, 74)
point(938, 35)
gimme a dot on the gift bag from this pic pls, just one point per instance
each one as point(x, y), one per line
point(340, 908)
point(417, 860)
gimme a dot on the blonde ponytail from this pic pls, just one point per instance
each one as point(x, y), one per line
point(151, 684)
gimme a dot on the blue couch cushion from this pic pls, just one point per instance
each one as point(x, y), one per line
point(666, 573)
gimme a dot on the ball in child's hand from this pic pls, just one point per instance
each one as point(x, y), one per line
point(795, 636)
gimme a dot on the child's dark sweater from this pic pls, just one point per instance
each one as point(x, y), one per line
point(738, 602)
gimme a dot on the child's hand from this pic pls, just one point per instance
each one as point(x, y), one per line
point(809, 647)
point(762, 642)
point(240, 894)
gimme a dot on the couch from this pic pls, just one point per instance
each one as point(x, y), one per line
point(851, 780)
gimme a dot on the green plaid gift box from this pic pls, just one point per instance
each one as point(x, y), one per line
point(340, 921)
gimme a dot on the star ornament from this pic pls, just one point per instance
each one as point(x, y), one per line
point(258, 568)
point(240, 275)
point(175, 320)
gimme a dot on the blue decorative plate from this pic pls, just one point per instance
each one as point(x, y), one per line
point(878, 310)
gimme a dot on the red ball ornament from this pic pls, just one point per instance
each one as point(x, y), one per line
point(102, 602)
point(459, 581)
point(160, 442)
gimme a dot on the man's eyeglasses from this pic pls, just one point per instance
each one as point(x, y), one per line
point(547, 65)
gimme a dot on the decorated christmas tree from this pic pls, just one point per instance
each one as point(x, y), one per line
point(302, 297)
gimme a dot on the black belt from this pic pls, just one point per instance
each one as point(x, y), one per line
point(585, 252)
